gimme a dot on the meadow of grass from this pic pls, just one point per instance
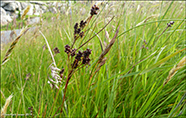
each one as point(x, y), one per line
point(129, 84)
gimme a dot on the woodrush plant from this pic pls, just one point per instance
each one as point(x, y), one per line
point(77, 60)
point(112, 92)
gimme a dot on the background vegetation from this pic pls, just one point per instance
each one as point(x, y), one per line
point(130, 84)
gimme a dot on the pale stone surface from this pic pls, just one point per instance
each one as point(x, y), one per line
point(53, 10)
point(24, 5)
point(18, 5)
point(5, 18)
point(12, 6)
point(3, 12)
point(38, 2)
point(38, 10)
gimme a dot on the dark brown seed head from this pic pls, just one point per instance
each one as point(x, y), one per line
point(94, 10)
point(79, 30)
point(56, 50)
point(168, 24)
point(171, 22)
point(73, 52)
point(81, 34)
point(79, 55)
point(67, 49)
point(86, 53)
point(76, 26)
point(82, 24)
point(86, 61)
point(62, 71)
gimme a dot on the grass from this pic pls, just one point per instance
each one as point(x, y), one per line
point(129, 84)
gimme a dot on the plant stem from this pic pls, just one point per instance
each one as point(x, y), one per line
point(66, 85)
point(95, 34)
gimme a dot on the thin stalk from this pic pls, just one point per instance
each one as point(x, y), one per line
point(66, 85)
point(95, 34)
point(48, 48)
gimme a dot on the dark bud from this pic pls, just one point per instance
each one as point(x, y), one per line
point(67, 49)
point(56, 50)
point(85, 61)
point(143, 46)
point(76, 26)
point(61, 72)
point(82, 24)
point(78, 31)
point(79, 55)
point(81, 34)
point(75, 32)
point(94, 10)
point(168, 24)
point(73, 52)
point(67, 46)
point(145, 41)
point(30, 108)
point(171, 22)
point(86, 53)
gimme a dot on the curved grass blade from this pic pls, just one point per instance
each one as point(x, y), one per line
point(161, 61)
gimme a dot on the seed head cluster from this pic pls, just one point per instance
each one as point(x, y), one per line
point(170, 23)
point(79, 58)
point(67, 49)
point(82, 57)
point(94, 10)
point(56, 50)
point(78, 30)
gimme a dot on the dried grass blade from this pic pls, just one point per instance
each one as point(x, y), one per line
point(106, 50)
point(12, 46)
point(101, 60)
point(49, 48)
point(4, 109)
point(173, 71)
point(25, 12)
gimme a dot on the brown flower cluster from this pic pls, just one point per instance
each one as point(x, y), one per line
point(170, 23)
point(94, 10)
point(78, 30)
point(79, 57)
point(82, 57)
point(56, 50)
